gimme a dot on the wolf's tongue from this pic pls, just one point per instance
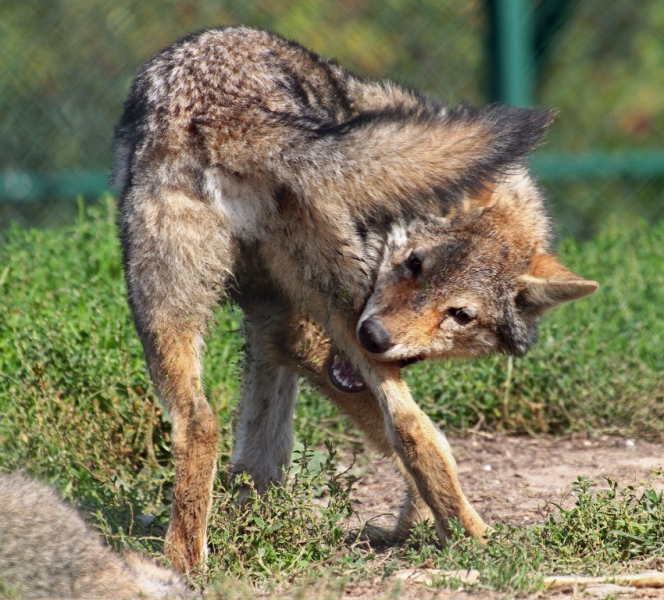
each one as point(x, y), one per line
point(343, 376)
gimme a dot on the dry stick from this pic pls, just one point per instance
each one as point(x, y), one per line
point(650, 579)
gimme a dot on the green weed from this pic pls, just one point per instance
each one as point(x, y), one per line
point(287, 531)
point(610, 526)
point(606, 531)
point(78, 410)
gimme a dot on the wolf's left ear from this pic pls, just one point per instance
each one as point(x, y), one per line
point(547, 284)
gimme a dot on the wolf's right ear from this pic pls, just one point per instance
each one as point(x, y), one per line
point(547, 284)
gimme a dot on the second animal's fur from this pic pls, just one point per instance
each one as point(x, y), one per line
point(47, 551)
point(404, 229)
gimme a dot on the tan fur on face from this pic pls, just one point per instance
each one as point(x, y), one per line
point(501, 236)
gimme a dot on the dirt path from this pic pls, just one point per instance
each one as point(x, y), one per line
point(511, 479)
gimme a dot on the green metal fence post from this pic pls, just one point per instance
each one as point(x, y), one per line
point(511, 50)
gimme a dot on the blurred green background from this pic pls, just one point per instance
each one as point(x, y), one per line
point(67, 65)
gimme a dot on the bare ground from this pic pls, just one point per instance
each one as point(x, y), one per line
point(510, 479)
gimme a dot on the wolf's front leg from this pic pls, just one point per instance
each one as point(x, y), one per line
point(304, 346)
point(395, 425)
point(264, 430)
point(364, 410)
point(423, 450)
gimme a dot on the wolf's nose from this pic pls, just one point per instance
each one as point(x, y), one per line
point(373, 336)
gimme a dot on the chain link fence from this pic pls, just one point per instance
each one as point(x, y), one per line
point(67, 66)
point(603, 71)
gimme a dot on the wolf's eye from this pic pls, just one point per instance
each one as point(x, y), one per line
point(461, 315)
point(414, 262)
point(521, 301)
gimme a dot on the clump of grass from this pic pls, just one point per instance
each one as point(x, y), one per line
point(609, 526)
point(509, 561)
point(268, 540)
point(76, 404)
point(606, 531)
point(290, 530)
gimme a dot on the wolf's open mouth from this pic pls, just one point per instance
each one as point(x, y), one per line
point(346, 379)
point(343, 376)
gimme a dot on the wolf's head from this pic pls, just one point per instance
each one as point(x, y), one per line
point(470, 284)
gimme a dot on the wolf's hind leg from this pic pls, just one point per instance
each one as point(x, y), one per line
point(177, 253)
point(264, 431)
point(173, 357)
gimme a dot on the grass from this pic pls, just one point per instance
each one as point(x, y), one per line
point(606, 531)
point(78, 410)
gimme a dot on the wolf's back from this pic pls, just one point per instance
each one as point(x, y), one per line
point(253, 106)
point(239, 93)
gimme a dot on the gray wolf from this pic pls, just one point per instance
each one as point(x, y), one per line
point(47, 551)
point(403, 229)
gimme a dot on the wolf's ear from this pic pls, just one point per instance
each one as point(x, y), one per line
point(477, 146)
point(483, 143)
point(547, 284)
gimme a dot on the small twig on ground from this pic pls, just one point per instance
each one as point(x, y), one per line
point(650, 579)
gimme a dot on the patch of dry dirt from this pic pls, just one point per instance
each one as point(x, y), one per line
point(510, 479)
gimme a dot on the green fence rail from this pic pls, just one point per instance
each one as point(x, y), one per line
point(67, 67)
point(34, 187)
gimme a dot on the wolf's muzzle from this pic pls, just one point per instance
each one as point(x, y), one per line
point(373, 337)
